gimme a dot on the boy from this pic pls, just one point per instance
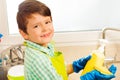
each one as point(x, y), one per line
point(42, 62)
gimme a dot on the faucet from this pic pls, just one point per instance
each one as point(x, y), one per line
point(104, 37)
point(12, 55)
point(106, 29)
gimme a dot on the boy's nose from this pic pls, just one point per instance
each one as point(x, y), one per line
point(44, 28)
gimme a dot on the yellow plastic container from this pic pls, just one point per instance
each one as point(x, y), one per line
point(16, 73)
point(15, 77)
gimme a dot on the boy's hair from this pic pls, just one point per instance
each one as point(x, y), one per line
point(27, 8)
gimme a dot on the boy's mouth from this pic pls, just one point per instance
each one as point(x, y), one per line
point(45, 35)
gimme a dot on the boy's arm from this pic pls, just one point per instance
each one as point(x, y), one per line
point(69, 69)
point(77, 65)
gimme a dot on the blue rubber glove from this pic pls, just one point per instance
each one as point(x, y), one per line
point(96, 75)
point(80, 64)
point(1, 35)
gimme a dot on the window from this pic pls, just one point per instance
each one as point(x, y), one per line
point(12, 8)
point(74, 15)
point(84, 16)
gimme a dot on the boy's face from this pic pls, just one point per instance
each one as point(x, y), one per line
point(39, 29)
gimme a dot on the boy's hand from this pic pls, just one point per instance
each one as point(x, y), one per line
point(96, 75)
point(80, 64)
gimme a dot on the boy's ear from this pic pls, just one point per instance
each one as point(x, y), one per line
point(24, 35)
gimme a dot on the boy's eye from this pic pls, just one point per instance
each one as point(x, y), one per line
point(36, 26)
point(47, 22)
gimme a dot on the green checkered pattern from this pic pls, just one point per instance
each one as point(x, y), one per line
point(37, 64)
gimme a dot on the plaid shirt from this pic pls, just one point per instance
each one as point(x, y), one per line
point(37, 65)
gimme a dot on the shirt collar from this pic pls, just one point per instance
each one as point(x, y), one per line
point(47, 50)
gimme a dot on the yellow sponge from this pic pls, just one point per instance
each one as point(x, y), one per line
point(96, 63)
